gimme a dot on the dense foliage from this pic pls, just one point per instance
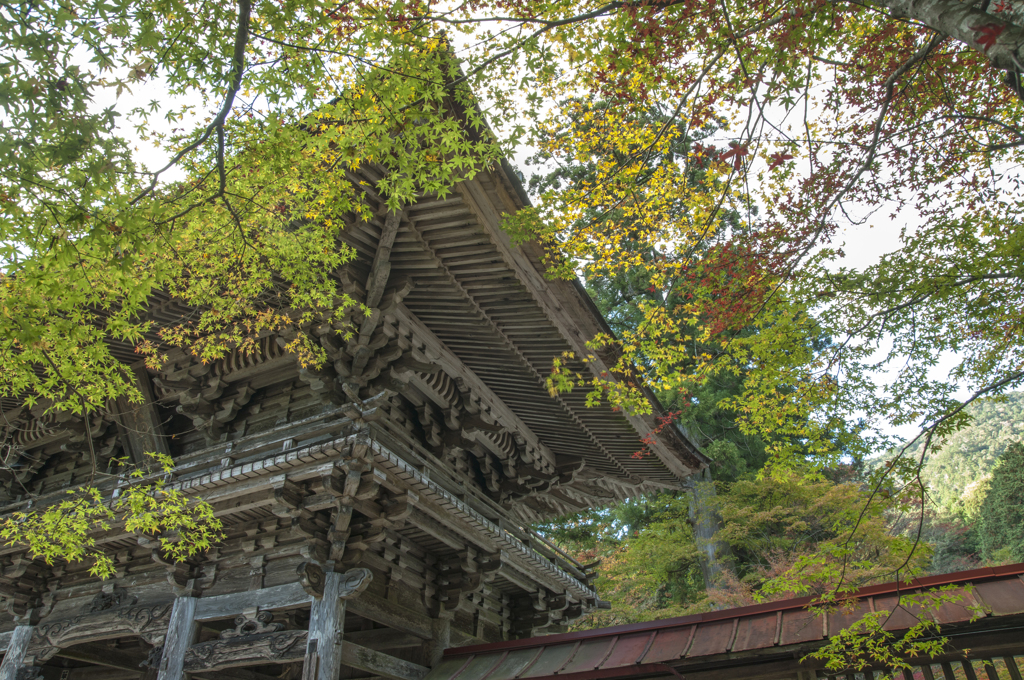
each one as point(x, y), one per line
point(823, 113)
point(624, 295)
point(787, 535)
point(165, 518)
point(1002, 514)
point(960, 466)
point(820, 115)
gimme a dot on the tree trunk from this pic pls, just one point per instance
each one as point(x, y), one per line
point(964, 21)
point(715, 556)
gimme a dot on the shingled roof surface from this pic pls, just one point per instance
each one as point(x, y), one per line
point(669, 646)
point(489, 301)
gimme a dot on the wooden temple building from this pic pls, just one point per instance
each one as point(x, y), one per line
point(374, 510)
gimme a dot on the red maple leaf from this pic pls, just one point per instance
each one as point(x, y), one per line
point(1001, 6)
point(736, 152)
point(989, 34)
point(778, 159)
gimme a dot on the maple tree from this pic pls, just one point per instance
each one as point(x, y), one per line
point(623, 295)
point(776, 528)
point(823, 113)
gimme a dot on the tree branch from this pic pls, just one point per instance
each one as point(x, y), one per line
point(236, 73)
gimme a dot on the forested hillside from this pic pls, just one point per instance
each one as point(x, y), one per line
point(770, 527)
point(969, 455)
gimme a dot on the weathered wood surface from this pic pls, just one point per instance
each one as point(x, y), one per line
point(293, 595)
point(107, 657)
point(181, 631)
point(391, 615)
point(327, 619)
point(100, 673)
point(145, 621)
point(378, 663)
point(142, 427)
point(383, 638)
point(15, 654)
point(286, 596)
point(251, 650)
point(311, 662)
point(291, 646)
point(235, 674)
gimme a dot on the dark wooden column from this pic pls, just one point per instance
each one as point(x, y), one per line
point(327, 623)
point(441, 628)
point(181, 631)
point(15, 655)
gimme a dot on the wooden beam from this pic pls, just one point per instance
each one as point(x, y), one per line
point(326, 622)
point(236, 674)
point(435, 529)
point(142, 430)
point(110, 658)
point(101, 673)
point(564, 304)
point(246, 650)
point(476, 200)
point(391, 615)
point(383, 638)
point(381, 267)
point(287, 596)
point(454, 366)
point(292, 595)
point(15, 655)
point(384, 665)
point(180, 632)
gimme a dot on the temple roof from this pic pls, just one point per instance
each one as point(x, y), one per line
point(491, 305)
point(465, 329)
point(745, 638)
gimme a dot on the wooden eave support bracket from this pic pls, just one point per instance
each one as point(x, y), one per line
point(376, 282)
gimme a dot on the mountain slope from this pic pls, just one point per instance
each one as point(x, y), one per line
point(970, 454)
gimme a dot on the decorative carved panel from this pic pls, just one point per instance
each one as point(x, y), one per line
point(148, 622)
point(246, 650)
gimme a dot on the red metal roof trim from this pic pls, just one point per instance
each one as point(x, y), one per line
point(791, 627)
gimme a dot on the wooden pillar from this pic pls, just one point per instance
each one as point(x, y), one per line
point(15, 656)
point(181, 632)
point(327, 623)
point(441, 628)
point(326, 626)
